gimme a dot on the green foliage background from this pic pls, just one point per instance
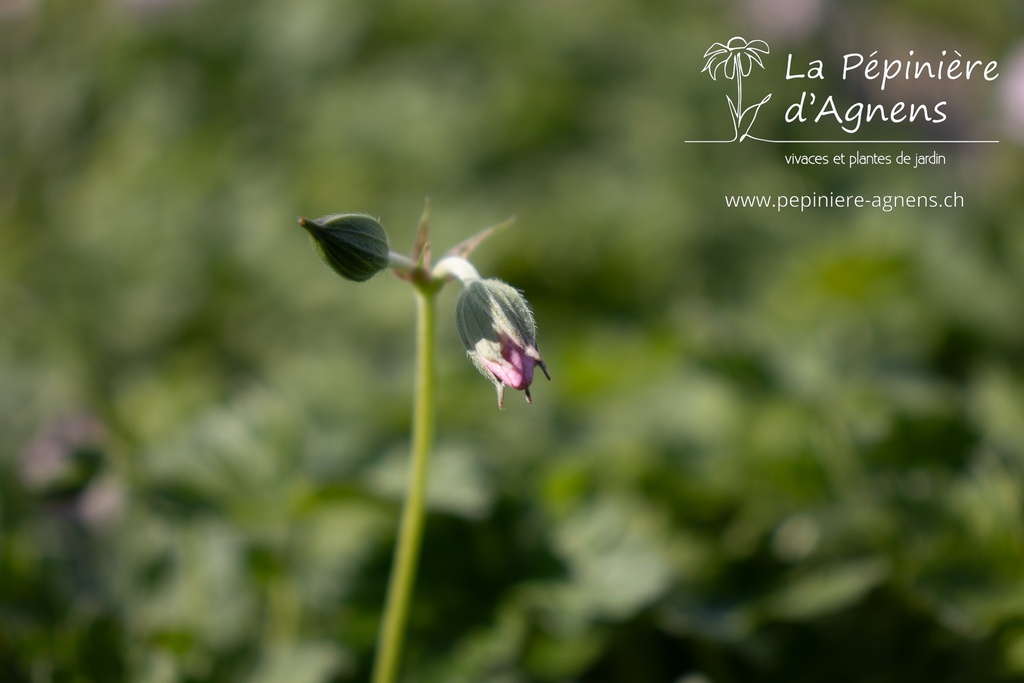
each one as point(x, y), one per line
point(777, 446)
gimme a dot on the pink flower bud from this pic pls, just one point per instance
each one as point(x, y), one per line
point(497, 328)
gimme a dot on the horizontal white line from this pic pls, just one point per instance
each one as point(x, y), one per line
point(851, 142)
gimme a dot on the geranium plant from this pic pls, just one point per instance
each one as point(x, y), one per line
point(498, 330)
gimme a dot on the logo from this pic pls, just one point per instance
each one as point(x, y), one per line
point(736, 59)
point(817, 108)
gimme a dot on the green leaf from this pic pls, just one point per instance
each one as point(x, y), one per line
point(826, 590)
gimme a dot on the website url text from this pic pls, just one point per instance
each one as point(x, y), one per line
point(844, 201)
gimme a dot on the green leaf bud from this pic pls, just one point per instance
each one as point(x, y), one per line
point(354, 245)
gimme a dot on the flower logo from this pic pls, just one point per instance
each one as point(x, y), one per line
point(736, 59)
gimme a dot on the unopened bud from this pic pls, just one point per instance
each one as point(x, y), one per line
point(354, 245)
point(497, 328)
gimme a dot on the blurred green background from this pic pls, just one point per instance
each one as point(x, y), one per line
point(776, 446)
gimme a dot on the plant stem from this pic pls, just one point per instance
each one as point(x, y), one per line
point(410, 533)
point(739, 88)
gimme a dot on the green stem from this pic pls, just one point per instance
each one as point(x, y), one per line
point(410, 534)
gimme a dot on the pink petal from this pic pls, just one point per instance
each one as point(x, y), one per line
point(515, 369)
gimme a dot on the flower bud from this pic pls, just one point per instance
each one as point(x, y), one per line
point(497, 328)
point(354, 245)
